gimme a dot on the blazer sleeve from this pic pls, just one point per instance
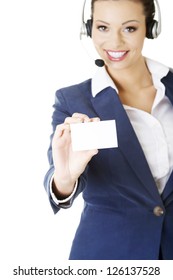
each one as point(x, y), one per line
point(61, 111)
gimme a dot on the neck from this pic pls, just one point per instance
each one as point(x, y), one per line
point(136, 76)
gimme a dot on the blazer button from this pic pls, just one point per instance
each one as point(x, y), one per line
point(158, 211)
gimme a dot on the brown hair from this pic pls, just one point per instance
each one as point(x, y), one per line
point(149, 8)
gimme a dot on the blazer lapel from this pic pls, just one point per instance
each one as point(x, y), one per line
point(167, 194)
point(168, 82)
point(108, 106)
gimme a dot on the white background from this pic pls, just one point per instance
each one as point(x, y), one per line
point(40, 51)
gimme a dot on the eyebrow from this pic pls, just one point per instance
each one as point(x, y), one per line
point(128, 21)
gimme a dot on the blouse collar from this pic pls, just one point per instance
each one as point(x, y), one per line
point(102, 80)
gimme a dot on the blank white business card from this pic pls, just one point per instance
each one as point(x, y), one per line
point(94, 135)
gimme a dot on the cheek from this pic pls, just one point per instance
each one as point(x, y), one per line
point(141, 43)
point(97, 41)
point(99, 46)
point(137, 43)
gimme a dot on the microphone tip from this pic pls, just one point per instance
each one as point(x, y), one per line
point(99, 62)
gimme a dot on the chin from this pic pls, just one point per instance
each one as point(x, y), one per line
point(117, 65)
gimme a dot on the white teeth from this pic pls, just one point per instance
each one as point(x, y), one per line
point(116, 54)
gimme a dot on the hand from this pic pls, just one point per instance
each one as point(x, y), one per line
point(69, 165)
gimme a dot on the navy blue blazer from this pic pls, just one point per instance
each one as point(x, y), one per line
point(122, 216)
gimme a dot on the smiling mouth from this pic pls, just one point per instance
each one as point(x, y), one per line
point(116, 55)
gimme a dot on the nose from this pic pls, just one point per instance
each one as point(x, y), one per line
point(116, 39)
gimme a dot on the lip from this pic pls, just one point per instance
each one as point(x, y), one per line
point(116, 55)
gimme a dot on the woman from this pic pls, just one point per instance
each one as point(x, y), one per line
point(128, 191)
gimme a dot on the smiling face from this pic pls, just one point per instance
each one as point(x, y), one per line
point(118, 32)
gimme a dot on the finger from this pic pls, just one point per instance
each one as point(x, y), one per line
point(62, 136)
point(96, 119)
point(70, 120)
point(85, 118)
point(91, 153)
point(61, 129)
point(81, 117)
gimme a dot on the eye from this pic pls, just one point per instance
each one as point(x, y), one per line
point(102, 28)
point(130, 29)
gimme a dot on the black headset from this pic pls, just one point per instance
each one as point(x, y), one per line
point(153, 27)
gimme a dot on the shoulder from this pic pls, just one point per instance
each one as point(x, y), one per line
point(74, 98)
point(76, 89)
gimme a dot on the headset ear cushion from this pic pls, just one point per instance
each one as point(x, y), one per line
point(152, 28)
point(89, 27)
